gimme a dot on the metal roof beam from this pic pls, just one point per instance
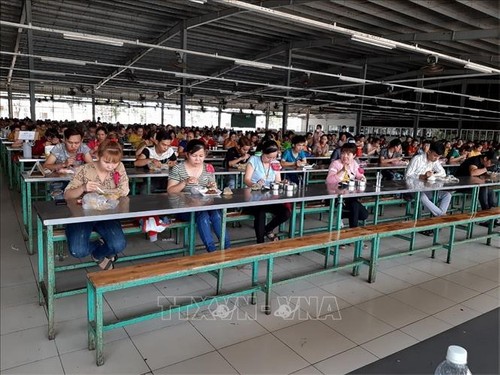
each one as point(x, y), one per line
point(448, 35)
point(16, 48)
point(191, 23)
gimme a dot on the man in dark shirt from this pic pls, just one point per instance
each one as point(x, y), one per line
point(477, 166)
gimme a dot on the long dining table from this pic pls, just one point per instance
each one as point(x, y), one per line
point(50, 215)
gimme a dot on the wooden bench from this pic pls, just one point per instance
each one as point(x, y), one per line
point(377, 204)
point(99, 283)
point(434, 224)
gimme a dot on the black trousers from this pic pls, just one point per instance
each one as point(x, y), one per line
point(280, 212)
point(487, 198)
point(355, 211)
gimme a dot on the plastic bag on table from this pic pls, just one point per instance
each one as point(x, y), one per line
point(94, 201)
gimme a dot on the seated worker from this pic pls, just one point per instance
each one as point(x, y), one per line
point(160, 156)
point(321, 148)
point(260, 172)
point(422, 167)
point(183, 143)
point(148, 140)
point(237, 157)
point(392, 155)
point(71, 153)
point(135, 138)
point(295, 157)
point(195, 172)
point(478, 166)
point(342, 171)
point(107, 174)
point(101, 134)
point(51, 138)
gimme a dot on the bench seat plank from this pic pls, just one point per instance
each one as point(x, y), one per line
point(170, 266)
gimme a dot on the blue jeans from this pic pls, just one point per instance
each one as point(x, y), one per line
point(205, 221)
point(80, 246)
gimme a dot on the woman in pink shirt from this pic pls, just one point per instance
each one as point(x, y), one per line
point(343, 170)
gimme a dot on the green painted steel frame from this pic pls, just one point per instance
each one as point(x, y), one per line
point(96, 325)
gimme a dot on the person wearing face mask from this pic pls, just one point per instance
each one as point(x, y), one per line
point(106, 174)
point(194, 172)
point(237, 157)
point(262, 171)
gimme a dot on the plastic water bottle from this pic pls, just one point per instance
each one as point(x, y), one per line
point(27, 150)
point(455, 363)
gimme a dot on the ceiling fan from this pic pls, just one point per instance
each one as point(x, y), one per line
point(177, 63)
point(432, 66)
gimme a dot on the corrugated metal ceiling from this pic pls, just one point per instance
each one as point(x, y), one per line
point(466, 29)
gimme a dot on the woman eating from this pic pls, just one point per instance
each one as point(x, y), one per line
point(193, 172)
point(106, 174)
point(262, 171)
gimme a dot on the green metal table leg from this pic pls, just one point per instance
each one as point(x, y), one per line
point(51, 281)
point(357, 254)
point(255, 280)
point(192, 228)
point(99, 355)
point(222, 238)
point(293, 221)
point(269, 284)
point(374, 259)
point(41, 262)
point(376, 209)
point(450, 243)
point(29, 218)
point(90, 315)
point(302, 218)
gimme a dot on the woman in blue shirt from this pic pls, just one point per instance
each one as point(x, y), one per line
point(262, 171)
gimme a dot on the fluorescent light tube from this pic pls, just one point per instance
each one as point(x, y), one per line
point(351, 79)
point(427, 91)
point(62, 60)
point(188, 75)
point(254, 64)
point(476, 98)
point(373, 41)
point(346, 94)
point(93, 38)
point(478, 67)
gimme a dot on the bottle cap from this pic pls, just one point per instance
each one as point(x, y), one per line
point(457, 355)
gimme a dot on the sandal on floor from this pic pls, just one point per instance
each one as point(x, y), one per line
point(114, 258)
point(104, 263)
point(272, 237)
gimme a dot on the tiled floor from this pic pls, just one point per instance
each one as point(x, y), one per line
point(334, 323)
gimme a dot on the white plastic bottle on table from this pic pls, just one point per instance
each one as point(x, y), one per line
point(455, 363)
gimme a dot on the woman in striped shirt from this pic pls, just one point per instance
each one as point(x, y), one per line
point(193, 172)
